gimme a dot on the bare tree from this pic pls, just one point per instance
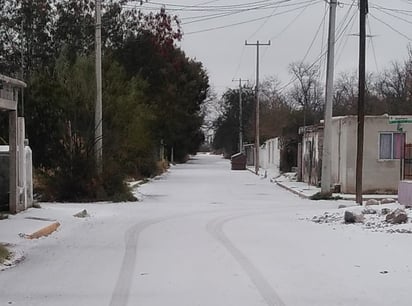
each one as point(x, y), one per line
point(307, 93)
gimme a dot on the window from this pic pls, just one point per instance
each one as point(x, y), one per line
point(391, 145)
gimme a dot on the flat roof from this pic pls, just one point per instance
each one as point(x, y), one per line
point(14, 82)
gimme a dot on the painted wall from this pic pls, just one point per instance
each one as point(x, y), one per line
point(269, 158)
point(379, 176)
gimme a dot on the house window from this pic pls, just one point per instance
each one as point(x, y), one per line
point(391, 145)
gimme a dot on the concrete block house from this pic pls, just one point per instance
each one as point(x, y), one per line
point(387, 153)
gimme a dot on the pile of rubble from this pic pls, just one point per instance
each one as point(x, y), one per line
point(382, 216)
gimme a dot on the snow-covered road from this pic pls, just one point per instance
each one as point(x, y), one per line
point(205, 235)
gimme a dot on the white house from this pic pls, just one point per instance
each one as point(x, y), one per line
point(17, 174)
point(269, 158)
point(384, 160)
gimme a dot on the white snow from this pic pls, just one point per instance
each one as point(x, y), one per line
point(205, 235)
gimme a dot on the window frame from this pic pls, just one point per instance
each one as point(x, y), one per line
point(392, 147)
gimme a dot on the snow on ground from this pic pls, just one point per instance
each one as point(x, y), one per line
point(207, 236)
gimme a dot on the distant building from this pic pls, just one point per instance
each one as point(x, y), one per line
point(269, 155)
point(387, 153)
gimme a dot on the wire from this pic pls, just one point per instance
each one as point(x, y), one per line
point(220, 15)
point(200, 8)
point(289, 24)
point(372, 45)
point(240, 61)
point(394, 16)
point(391, 27)
point(245, 22)
point(316, 35)
point(264, 22)
point(322, 64)
point(345, 29)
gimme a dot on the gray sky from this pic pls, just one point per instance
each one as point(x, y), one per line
point(297, 30)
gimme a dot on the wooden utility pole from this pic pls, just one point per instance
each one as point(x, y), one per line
point(257, 132)
point(240, 116)
point(363, 7)
point(327, 130)
point(98, 119)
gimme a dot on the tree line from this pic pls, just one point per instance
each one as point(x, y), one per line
point(153, 94)
point(283, 111)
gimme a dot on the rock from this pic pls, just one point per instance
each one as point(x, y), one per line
point(387, 201)
point(36, 205)
point(371, 202)
point(341, 206)
point(385, 211)
point(82, 214)
point(398, 216)
point(351, 217)
point(369, 211)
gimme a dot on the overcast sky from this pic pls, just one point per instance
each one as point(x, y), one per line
point(215, 33)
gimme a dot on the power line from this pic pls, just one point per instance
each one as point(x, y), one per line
point(287, 27)
point(391, 27)
point(220, 15)
point(372, 44)
point(243, 22)
point(264, 22)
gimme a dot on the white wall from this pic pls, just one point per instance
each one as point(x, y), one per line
point(269, 158)
point(378, 175)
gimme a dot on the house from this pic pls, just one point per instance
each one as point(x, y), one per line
point(269, 158)
point(384, 162)
point(19, 193)
point(269, 155)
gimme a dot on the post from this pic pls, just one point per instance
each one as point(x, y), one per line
point(240, 116)
point(257, 127)
point(327, 131)
point(361, 99)
point(13, 196)
point(21, 165)
point(98, 121)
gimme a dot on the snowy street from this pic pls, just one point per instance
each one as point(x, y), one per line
point(203, 235)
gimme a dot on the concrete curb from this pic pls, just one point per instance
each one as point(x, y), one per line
point(45, 231)
point(292, 190)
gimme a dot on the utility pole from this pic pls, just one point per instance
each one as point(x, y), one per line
point(361, 98)
point(98, 119)
point(240, 115)
point(22, 66)
point(257, 134)
point(327, 130)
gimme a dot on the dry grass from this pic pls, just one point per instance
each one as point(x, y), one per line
point(4, 253)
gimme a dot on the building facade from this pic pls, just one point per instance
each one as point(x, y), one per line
point(384, 162)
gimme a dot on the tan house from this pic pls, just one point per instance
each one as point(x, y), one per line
point(384, 162)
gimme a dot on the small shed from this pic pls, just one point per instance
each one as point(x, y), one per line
point(238, 161)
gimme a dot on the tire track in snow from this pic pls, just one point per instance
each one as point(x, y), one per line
point(215, 228)
point(120, 295)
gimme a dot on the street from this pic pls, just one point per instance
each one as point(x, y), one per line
point(203, 235)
